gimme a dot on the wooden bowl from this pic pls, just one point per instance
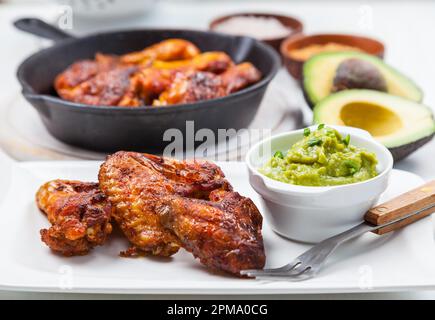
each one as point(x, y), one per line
point(294, 66)
point(294, 24)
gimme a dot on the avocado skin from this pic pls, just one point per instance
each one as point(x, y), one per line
point(356, 55)
point(307, 97)
point(402, 152)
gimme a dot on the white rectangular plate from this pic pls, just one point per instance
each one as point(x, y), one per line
point(403, 260)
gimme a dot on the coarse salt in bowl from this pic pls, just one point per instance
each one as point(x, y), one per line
point(257, 27)
point(270, 28)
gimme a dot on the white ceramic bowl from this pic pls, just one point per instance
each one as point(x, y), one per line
point(312, 214)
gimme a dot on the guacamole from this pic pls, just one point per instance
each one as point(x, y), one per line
point(322, 158)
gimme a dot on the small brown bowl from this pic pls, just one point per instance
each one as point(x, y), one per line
point(294, 24)
point(294, 66)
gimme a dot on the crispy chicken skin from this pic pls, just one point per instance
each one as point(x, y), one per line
point(168, 50)
point(240, 76)
point(79, 213)
point(213, 61)
point(173, 71)
point(162, 204)
point(107, 88)
point(191, 87)
point(146, 85)
point(84, 70)
point(134, 183)
point(224, 231)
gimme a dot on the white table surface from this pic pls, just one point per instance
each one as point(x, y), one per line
point(406, 28)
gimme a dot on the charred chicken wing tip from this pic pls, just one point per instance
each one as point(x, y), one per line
point(79, 213)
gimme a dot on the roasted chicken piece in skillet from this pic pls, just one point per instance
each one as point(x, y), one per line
point(106, 79)
point(167, 50)
point(173, 71)
point(214, 61)
point(82, 71)
point(240, 76)
point(79, 213)
point(146, 85)
point(162, 204)
point(182, 81)
point(107, 88)
point(193, 86)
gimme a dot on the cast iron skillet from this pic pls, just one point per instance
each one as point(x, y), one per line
point(108, 129)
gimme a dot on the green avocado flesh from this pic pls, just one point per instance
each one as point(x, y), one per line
point(322, 158)
point(321, 71)
point(400, 124)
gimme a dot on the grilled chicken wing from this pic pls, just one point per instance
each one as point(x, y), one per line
point(135, 182)
point(224, 231)
point(164, 203)
point(79, 213)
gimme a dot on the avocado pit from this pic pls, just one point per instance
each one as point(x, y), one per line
point(358, 74)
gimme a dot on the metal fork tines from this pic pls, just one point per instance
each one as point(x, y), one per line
point(303, 267)
point(295, 271)
point(310, 262)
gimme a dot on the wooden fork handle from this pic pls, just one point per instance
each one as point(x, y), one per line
point(418, 199)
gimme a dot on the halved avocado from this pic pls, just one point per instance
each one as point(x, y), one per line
point(400, 124)
point(321, 72)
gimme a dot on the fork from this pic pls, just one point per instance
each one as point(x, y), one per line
point(389, 216)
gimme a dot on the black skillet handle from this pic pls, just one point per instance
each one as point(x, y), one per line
point(40, 28)
point(243, 49)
